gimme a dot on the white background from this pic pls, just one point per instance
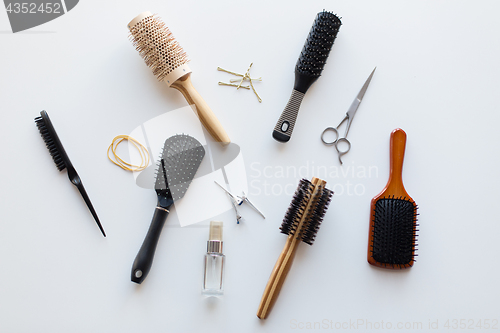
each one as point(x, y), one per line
point(437, 78)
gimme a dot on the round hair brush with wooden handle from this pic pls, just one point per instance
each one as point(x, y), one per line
point(301, 223)
point(163, 54)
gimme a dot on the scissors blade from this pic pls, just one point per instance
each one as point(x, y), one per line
point(355, 104)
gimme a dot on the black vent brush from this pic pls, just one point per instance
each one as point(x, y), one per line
point(393, 225)
point(308, 68)
point(61, 159)
point(301, 223)
point(179, 161)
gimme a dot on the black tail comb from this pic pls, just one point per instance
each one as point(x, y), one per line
point(61, 159)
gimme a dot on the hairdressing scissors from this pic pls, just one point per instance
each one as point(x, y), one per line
point(349, 117)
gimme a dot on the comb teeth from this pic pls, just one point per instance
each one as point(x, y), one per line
point(50, 143)
point(318, 44)
point(157, 46)
point(313, 215)
point(394, 232)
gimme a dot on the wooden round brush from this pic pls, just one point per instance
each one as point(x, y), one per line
point(301, 223)
point(163, 54)
point(393, 225)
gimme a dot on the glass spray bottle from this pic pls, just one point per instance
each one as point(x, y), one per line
point(213, 282)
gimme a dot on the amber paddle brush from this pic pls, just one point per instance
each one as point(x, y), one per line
point(393, 225)
point(168, 61)
point(301, 223)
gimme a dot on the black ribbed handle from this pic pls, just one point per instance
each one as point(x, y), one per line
point(284, 127)
point(144, 259)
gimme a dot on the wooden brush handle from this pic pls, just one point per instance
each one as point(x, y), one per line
point(277, 278)
point(398, 145)
point(284, 263)
point(205, 114)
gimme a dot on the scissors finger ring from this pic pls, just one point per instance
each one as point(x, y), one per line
point(342, 152)
point(336, 136)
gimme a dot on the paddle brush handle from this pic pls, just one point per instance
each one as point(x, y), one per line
point(398, 145)
point(203, 111)
point(144, 259)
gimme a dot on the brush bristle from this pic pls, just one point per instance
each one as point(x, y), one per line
point(311, 229)
point(50, 143)
point(157, 46)
point(318, 44)
point(394, 232)
point(313, 215)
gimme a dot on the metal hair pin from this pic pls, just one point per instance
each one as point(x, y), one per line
point(244, 77)
point(237, 201)
point(233, 85)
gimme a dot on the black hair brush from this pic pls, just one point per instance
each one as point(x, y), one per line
point(179, 161)
point(393, 225)
point(309, 67)
point(61, 159)
point(301, 223)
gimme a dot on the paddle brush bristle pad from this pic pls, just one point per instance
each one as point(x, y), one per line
point(313, 216)
point(179, 161)
point(318, 44)
point(394, 232)
point(157, 46)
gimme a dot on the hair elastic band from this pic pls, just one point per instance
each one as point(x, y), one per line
point(120, 162)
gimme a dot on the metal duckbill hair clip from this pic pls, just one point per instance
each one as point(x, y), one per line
point(237, 201)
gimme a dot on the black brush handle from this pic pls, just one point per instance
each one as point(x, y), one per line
point(75, 180)
point(144, 259)
point(284, 127)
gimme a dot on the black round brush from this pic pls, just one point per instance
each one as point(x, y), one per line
point(301, 223)
point(309, 67)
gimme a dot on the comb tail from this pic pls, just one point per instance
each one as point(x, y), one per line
point(79, 185)
point(284, 127)
point(144, 259)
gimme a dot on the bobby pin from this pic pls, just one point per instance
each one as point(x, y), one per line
point(233, 85)
point(244, 77)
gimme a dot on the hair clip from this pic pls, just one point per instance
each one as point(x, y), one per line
point(237, 201)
